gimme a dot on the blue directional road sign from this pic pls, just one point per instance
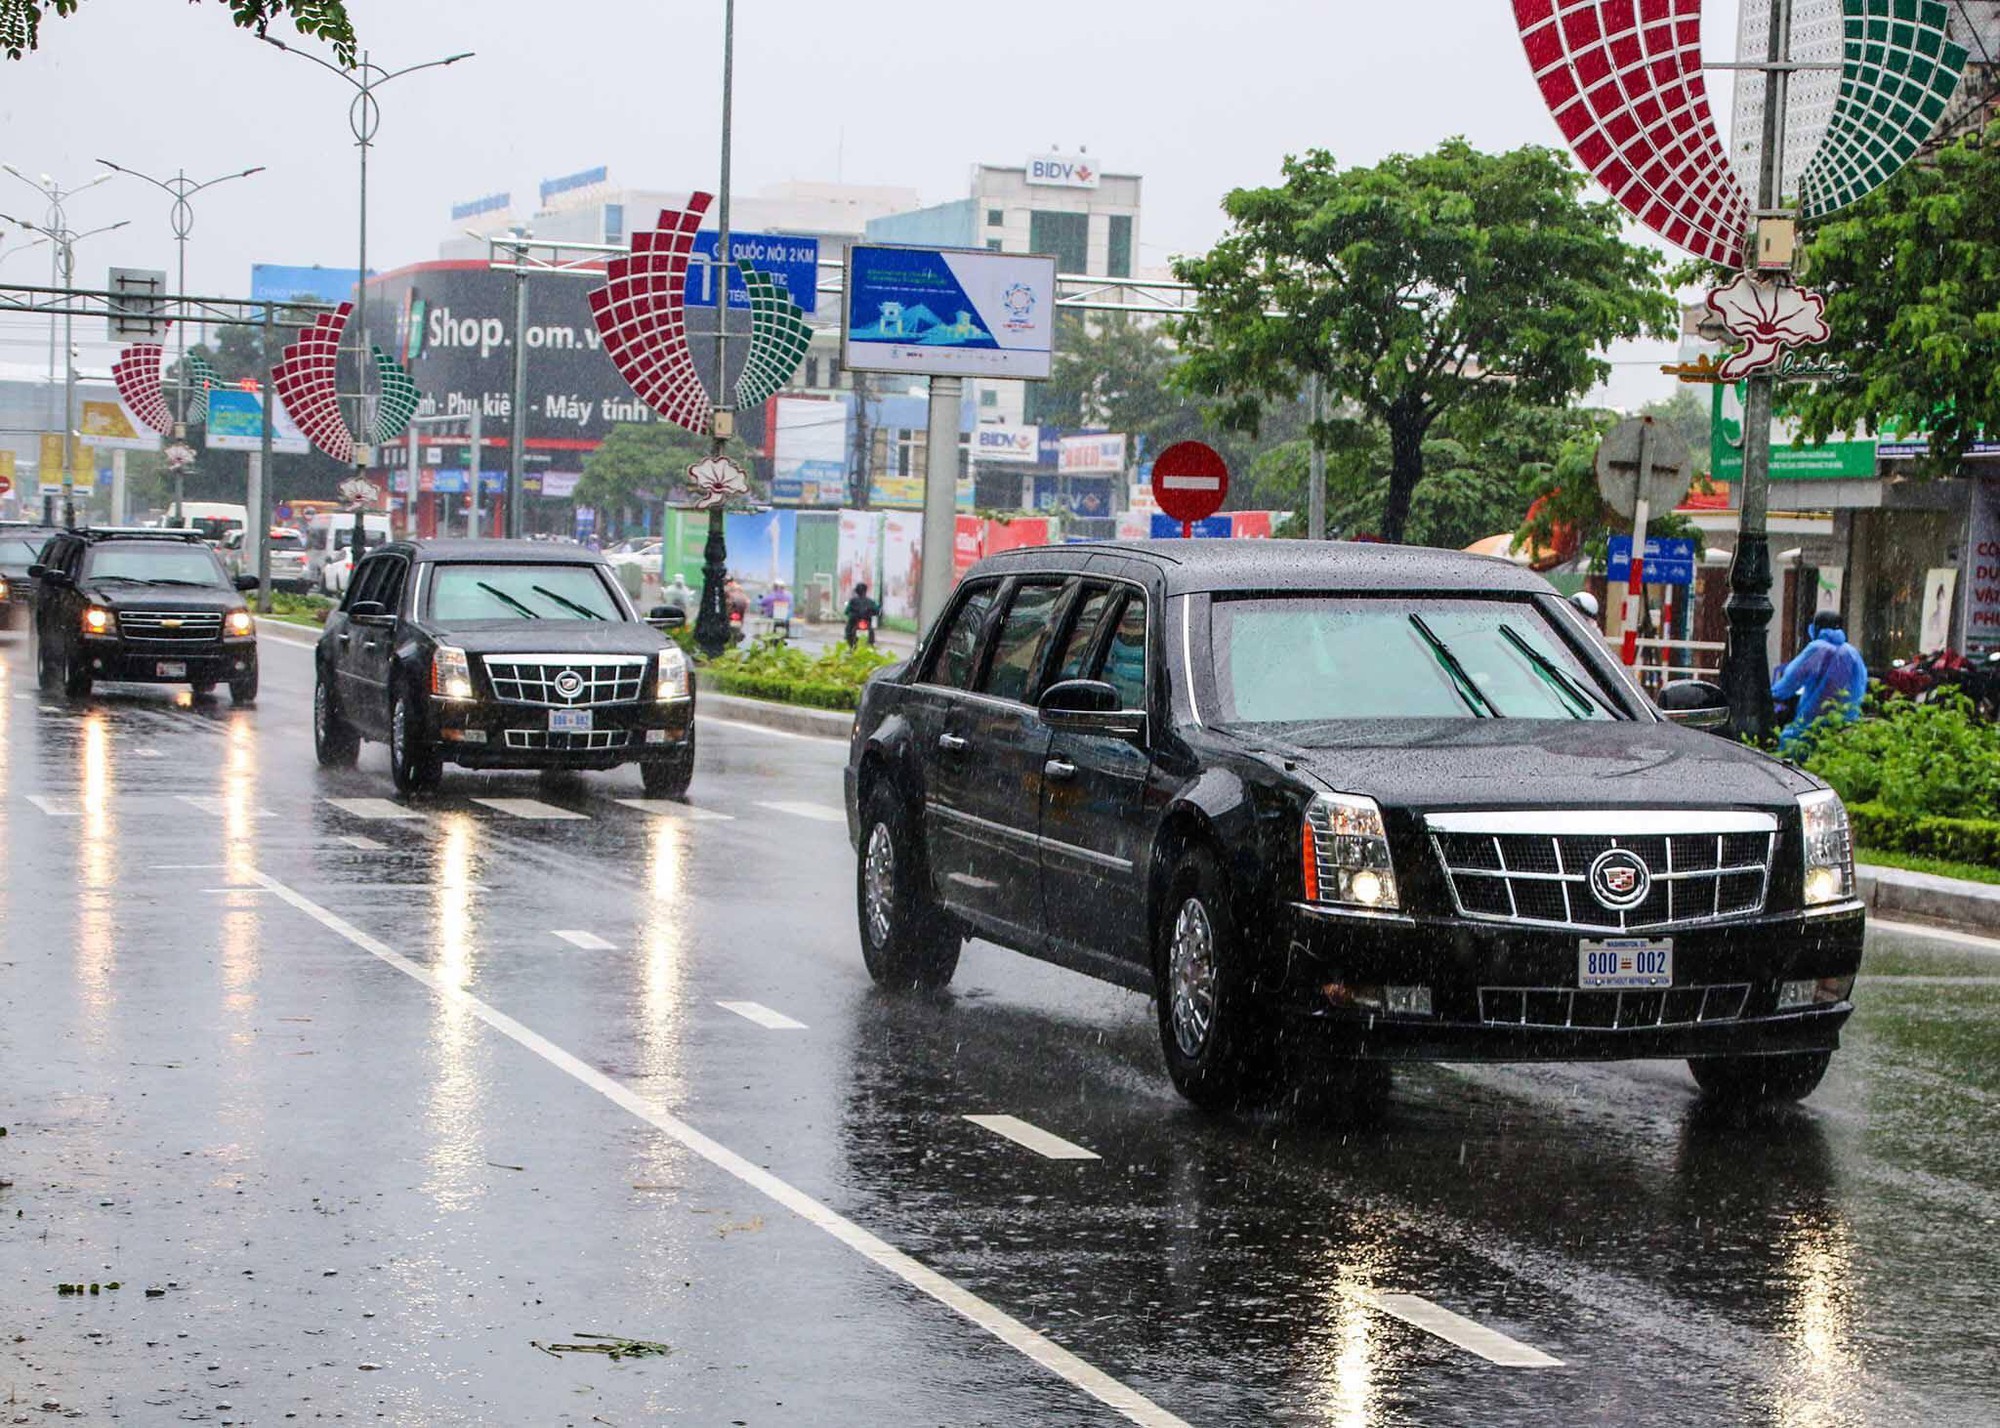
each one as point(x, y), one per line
point(1669, 561)
point(793, 263)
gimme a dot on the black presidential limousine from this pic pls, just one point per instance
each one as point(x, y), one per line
point(1338, 804)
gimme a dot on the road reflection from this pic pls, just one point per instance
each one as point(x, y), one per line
point(454, 1107)
point(96, 875)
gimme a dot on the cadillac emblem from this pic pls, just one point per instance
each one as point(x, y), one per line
point(1619, 879)
point(569, 684)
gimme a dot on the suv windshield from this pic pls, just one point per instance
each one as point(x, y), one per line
point(521, 592)
point(1314, 658)
point(155, 565)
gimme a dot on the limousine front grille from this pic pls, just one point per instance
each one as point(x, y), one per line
point(587, 741)
point(568, 681)
point(1570, 1008)
point(1536, 868)
point(187, 625)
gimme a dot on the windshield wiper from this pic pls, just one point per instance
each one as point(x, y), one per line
point(1467, 689)
point(1554, 673)
point(527, 612)
point(583, 610)
point(158, 580)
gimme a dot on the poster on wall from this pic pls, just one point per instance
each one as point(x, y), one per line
point(1935, 631)
point(949, 312)
point(860, 559)
point(902, 563)
point(968, 545)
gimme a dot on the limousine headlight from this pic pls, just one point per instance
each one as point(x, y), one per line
point(1345, 853)
point(451, 676)
point(1829, 848)
point(670, 675)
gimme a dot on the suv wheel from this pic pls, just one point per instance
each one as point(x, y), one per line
point(45, 665)
point(413, 763)
point(1218, 1047)
point(75, 675)
point(1791, 1077)
point(244, 690)
point(907, 940)
point(334, 741)
point(670, 777)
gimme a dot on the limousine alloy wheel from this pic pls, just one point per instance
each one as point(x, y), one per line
point(907, 940)
point(1211, 1026)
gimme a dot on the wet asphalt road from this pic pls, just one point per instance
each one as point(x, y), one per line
point(383, 1095)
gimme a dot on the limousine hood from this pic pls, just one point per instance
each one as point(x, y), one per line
point(563, 637)
point(1541, 763)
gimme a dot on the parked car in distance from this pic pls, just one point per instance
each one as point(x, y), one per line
point(20, 547)
point(1337, 806)
point(329, 547)
point(287, 545)
point(500, 654)
point(141, 606)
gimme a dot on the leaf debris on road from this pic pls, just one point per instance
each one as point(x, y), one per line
point(612, 1346)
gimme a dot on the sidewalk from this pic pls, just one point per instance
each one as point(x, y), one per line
point(1895, 893)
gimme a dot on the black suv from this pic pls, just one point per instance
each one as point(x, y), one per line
point(141, 606)
point(501, 654)
point(1339, 804)
point(21, 546)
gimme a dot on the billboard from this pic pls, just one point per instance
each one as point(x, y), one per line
point(1018, 444)
point(236, 423)
point(1092, 455)
point(109, 425)
point(792, 263)
point(949, 312)
point(276, 282)
point(809, 451)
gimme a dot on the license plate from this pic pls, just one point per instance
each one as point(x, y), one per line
point(1625, 962)
point(569, 721)
point(170, 669)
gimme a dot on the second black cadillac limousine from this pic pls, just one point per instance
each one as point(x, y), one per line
point(1347, 804)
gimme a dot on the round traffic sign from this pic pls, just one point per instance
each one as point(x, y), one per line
point(6, 483)
point(1643, 459)
point(1190, 481)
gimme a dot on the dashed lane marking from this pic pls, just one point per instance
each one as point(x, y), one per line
point(363, 842)
point(219, 806)
point(57, 805)
point(374, 808)
point(763, 1016)
point(1021, 1132)
point(667, 807)
point(818, 812)
point(588, 941)
point(1490, 1344)
point(147, 754)
point(532, 808)
point(1037, 1348)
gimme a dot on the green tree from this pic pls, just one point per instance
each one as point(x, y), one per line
point(21, 21)
point(638, 464)
point(1425, 285)
point(1912, 281)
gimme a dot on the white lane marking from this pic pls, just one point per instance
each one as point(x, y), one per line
point(147, 754)
point(669, 808)
point(528, 808)
point(374, 808)
point(774, 733)
point(58, 805)
point(1010, 1331)
point(363, 842)
point(1944, 934)
point(588, 941)
point(763, 1016)
point(217, 805)
point(1490, 1344)
point(818, 812)
point(1034, 1137)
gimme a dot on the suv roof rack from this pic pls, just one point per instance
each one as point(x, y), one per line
point(173, 533)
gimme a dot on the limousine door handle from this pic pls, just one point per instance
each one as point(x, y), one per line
point(951, 744)
point(1060, 770)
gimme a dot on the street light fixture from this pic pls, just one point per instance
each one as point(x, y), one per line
point(711, 626)
point(364, 117)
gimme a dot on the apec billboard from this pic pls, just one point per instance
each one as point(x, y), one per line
point(949, 312)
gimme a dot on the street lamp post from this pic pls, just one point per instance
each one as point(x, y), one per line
point(364, 118)
point(181, 188)
point(711, 626)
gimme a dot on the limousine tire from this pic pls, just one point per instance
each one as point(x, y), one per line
point(907, 940)
point(1218, 1044)
point(1791, 1077)
point(414, 763)
point(335, 743)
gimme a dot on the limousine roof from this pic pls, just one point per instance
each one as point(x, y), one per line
point(1187, 566)
point(510, 552)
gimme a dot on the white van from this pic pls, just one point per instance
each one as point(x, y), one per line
point(329, 561)
point(214, 519)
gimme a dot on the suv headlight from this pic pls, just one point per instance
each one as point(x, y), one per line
point(451, 674)
point(1345, 853)
point(99, 621)
point(670, 675)
point(1829, 848)
point(4, 590)
point(238, 623)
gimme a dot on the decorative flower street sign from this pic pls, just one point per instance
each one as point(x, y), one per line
point(717, 481)
point(307, 383)
point(1770, 316)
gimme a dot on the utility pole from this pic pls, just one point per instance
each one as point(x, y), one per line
point(517, 437)
point(1316, 467)
point(711, 626)
point(940, 497)
point(473, 463)
point(258, 527)
point(1746, 669)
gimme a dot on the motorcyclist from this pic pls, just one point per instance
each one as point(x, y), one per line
point(678, 594)
point(863, 614)
point(1828, 676)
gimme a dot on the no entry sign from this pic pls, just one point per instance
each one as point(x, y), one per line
point(1190, 482)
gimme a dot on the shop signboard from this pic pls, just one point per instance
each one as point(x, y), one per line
point(1101, 454)
point(1982, 586)
point(1833, 461)
point(1020, 445)
point(949, 312)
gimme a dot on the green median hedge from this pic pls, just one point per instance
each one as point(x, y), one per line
point(1956, 840)
point(811, 693)
point(770, 669)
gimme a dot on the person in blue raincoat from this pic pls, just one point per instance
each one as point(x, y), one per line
point(1827, 677)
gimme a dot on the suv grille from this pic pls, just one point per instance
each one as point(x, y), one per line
point(1612, 1010)
point(568, 682)
point(1535, 868)
point(170, 624)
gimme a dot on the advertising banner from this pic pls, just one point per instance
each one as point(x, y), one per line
point(761, 548)
point(277, 282)
point(109, 425)
point(953, 312)
point(1835, 461)
point(860, 553)
point(236, 423)
point(1020, 445)
point(50, 468)
point(968, 545)
point(792, 263)
point(809, 451)
point(1982, 587)
point(1092, 455)
point(902, 563)
point(1014, 535)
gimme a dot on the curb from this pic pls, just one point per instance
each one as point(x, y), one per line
point(1893, 892)
point(785, 718)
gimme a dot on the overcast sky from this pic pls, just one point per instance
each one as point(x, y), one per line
point(1196, 97)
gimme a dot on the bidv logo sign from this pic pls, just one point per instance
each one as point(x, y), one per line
point(1007, 443)
point(1062, 171)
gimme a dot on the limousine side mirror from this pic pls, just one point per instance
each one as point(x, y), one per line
point(246, 583)
point(1694, 704)
point(1090, 706)
point(370, 612)
point(667, 617)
